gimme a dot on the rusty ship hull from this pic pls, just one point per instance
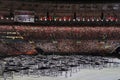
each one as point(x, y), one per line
point(65, 39)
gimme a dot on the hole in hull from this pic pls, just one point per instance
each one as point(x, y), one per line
point(39, 50)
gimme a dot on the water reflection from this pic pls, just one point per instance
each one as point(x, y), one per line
point(52, 65)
